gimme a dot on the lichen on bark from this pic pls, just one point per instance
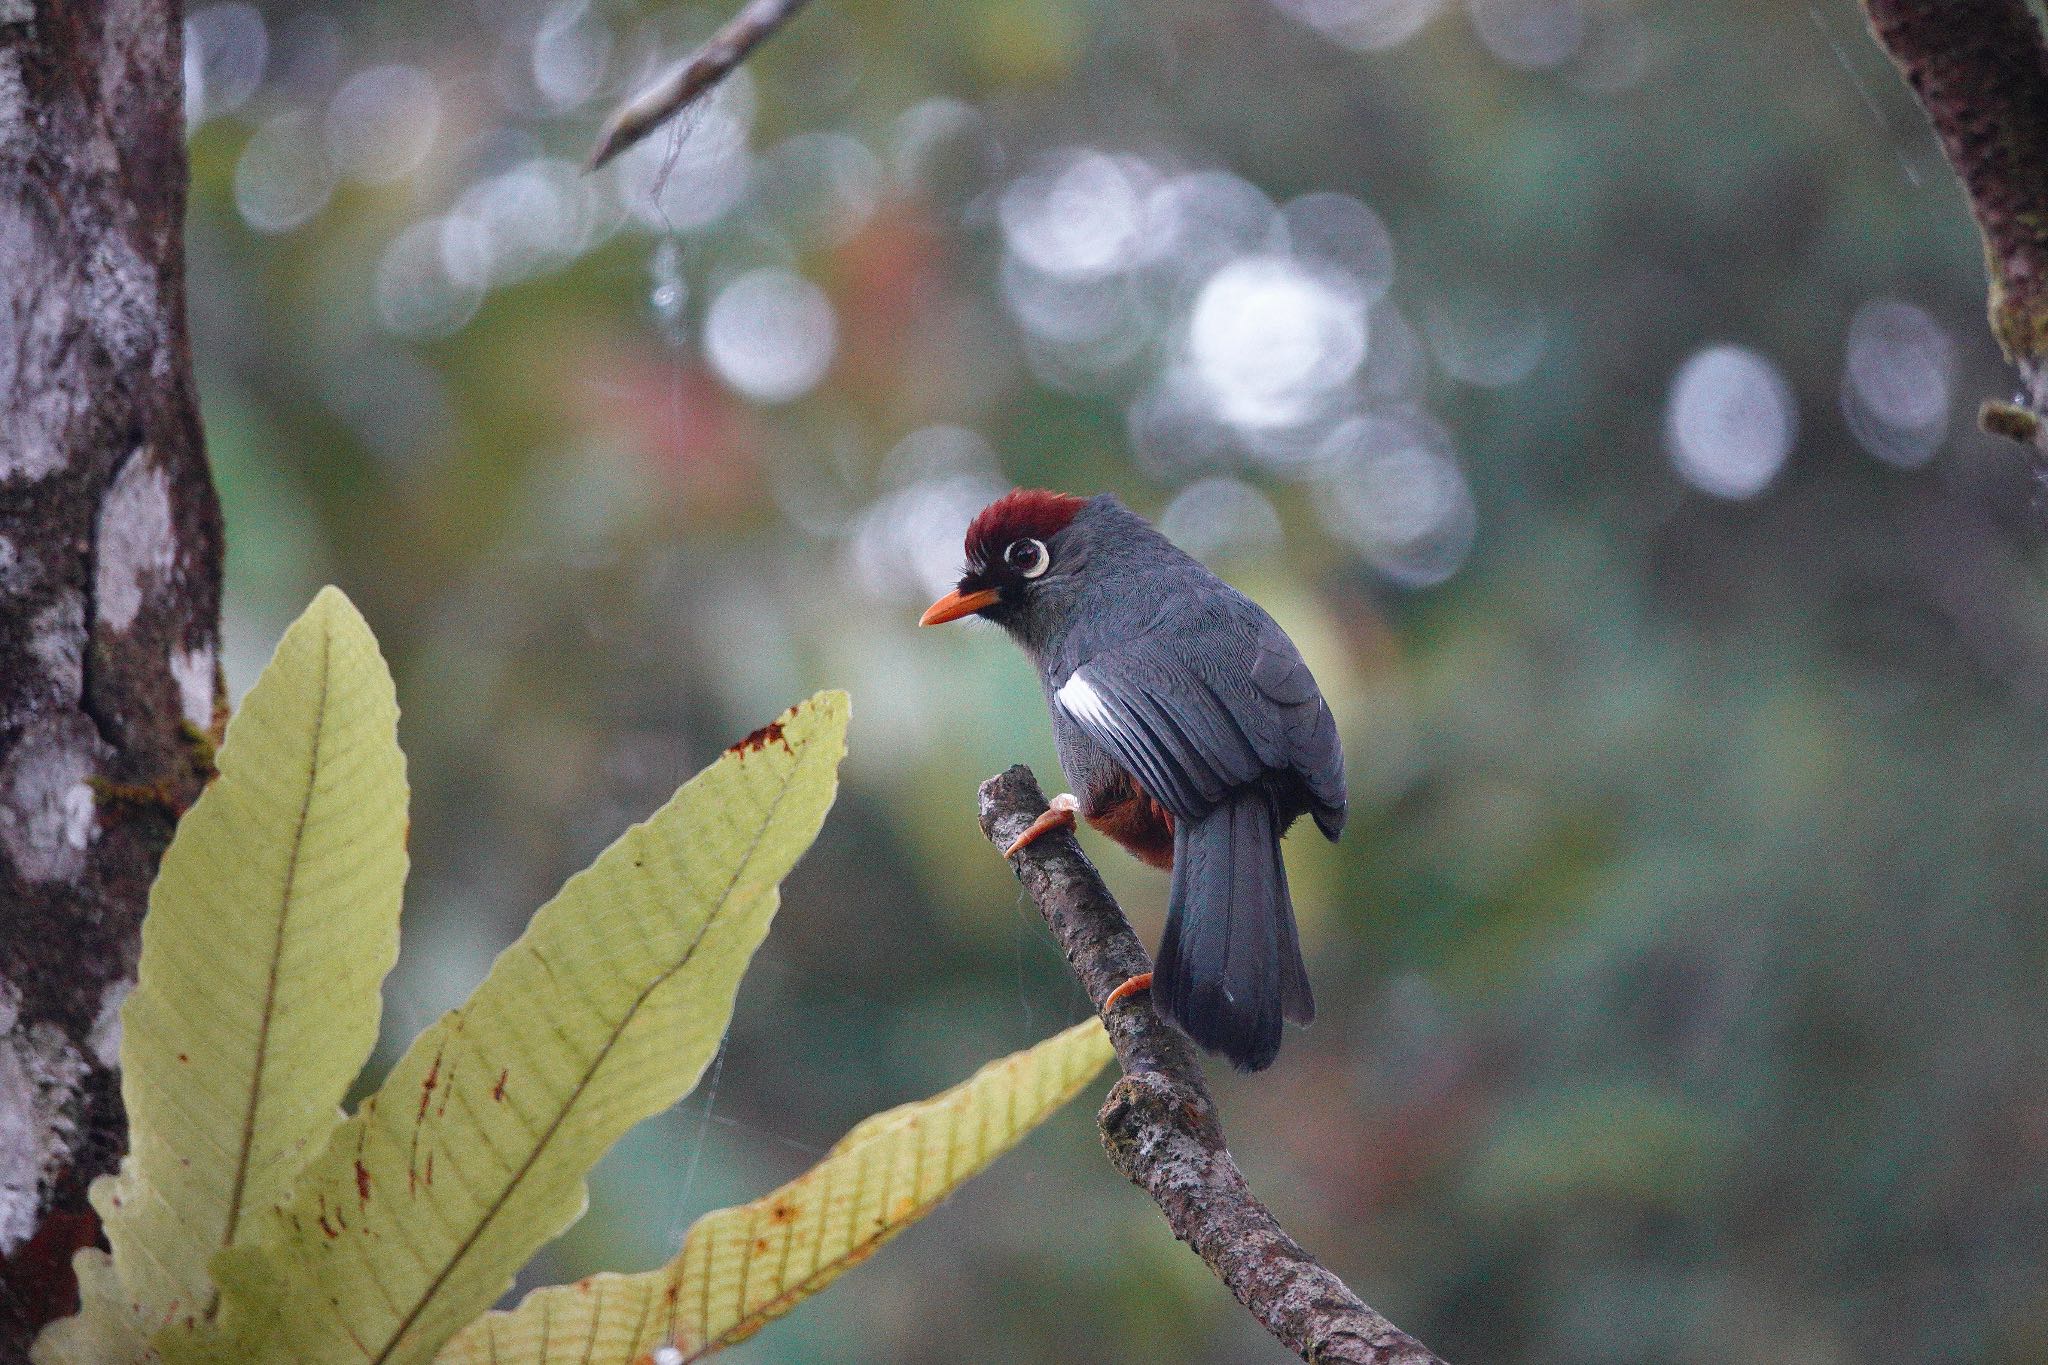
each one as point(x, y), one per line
point(110, 560)
point(1160, 1126)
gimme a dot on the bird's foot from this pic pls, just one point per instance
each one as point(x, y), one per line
point(1059, 814)
point(1141, 982)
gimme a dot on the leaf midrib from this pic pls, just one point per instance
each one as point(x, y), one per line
point(749, 1323)
point(583, 1081)
point(263, 1026)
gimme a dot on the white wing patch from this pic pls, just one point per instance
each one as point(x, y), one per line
point(1081, 701)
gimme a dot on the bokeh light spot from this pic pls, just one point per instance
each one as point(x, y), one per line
point(1729, 421)
point(381, 124)
point(1898, 381)
point(907, 544)
point(1214, 517)
point(1078, 218)
point(771, 335)
point(1363, 25)
point(416, 294)
point(1270, 339)
point(533, 217)
point(1392, 488)
point(1201, 221)
point(226, 50)
point(282, 178)
point(1484, 341)
point(1531, 34)
point(570, 51)
point(1341, 230)
point(820, 187)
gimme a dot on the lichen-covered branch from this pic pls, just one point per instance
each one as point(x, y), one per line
point(1160, 1125)
point(1980, 71)
point(695, 75)
point(110, 558)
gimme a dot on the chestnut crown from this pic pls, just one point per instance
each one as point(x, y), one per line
point(1009, 547)
point(998, 536)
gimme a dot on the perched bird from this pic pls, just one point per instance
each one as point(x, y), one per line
point(1192, 732)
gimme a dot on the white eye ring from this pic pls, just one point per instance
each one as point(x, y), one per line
point(1038, 560)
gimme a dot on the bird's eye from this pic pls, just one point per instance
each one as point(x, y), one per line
point(1027, 557)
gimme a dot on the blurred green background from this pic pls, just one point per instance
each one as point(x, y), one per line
point(1587, 386)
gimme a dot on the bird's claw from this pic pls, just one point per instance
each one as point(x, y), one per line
point(1141, 982)
point(1059, 814)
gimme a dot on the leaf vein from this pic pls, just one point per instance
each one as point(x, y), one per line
point(504, 1196)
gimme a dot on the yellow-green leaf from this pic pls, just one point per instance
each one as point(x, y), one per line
point(741, 1268)
point(414, 1217)
point(272, 922)
point(106, 1326)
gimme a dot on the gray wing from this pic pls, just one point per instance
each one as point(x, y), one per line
point(1209, 703)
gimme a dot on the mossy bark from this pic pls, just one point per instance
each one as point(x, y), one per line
point(1980, 71)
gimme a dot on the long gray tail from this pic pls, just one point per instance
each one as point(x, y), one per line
point(1229, 968)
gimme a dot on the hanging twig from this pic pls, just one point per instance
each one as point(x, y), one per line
point(1980, 71)
point(1159, 1123)
point(706, 67)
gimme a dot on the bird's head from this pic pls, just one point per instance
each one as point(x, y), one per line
point(1015, 561)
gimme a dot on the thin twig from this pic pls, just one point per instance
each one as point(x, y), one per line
point(704, 68)
point(1159, 1124)
point(1980, 71)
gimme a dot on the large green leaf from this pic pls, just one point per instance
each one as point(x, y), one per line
point(741, 1268)
point(414, 1217)
point(272, 922)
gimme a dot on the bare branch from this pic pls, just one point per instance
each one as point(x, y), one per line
point(706, 67)
point(1159, 1124)
point(1980, 70)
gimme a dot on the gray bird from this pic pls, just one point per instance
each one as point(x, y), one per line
point(1192, 732)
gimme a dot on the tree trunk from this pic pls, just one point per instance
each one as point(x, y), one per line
point(110, 567)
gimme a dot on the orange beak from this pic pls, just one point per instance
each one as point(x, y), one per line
point(957, 604)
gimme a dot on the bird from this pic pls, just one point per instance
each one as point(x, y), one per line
point(1191, 732)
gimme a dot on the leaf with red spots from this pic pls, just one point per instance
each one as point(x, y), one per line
point(758, 740)
point(272, 923)
point(741, 1268)
point(606, 1011)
